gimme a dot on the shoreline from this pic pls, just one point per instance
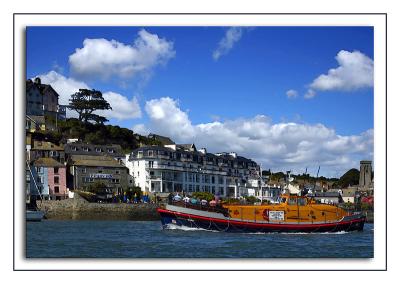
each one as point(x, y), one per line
point(78, 208)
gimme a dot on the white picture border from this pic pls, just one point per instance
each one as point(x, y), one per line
point(378, 21)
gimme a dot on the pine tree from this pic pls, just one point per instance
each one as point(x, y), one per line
point(85, 102)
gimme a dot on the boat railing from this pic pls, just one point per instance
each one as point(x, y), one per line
point(216, 208)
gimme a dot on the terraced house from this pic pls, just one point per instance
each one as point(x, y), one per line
point(48, 179)
point(89, 163)
point(177, 168)
point(42, 108)
point(85, 170)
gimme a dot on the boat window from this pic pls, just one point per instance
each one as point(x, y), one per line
point(301, 201)
point(292, 201)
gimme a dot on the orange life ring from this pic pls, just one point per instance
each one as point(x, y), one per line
point(266, 214)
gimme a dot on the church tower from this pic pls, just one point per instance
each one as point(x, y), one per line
point(365, 173)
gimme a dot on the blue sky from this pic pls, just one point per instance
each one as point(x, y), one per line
point(210, 77)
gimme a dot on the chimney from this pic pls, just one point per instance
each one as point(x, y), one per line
point(38, 81)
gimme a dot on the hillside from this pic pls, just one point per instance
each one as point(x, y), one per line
point(97, 134)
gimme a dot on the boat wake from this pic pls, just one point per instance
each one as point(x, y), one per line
point(184, 228)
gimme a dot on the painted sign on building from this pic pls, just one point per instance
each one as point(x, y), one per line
point(101, 176)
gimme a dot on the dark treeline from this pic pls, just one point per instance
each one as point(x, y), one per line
point(96, 134)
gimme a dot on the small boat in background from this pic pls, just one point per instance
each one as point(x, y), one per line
point(34, 215)
point(293, 214)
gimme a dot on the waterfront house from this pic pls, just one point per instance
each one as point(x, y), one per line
point(85, 149)
point(42, 101)
point(34, 100)
point(270, 193)
point(49, 179)
point(183, 168)
point(349, 194)
point(85, 170)
point(46, 149)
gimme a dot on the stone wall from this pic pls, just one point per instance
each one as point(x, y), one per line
point(78, 208)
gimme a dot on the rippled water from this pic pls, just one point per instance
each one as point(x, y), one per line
point(133, 239)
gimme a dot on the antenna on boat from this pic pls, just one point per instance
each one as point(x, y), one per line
point(315, 183)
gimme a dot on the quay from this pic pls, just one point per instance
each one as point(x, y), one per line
point(78, 208)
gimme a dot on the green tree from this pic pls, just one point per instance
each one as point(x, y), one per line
point(252, 199)
point(97, 187)
point(86, 102)
point(203, 195)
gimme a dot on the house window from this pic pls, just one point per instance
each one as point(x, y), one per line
point(86, 149)
point(74, 148)
point(100, 171)
point(98, 150)
point(56, 189)
point(56, 180)
point(117, 172)
point(84, 170)
point(140, 154)
point(150, 153)
point(110, 150)
point(56, 170)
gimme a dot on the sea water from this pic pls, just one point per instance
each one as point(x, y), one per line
point(147, 239)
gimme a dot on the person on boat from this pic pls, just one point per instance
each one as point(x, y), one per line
point(177, 198)
point(203, 202)
point(186, 199)
point(170, 197)
point(213, 203)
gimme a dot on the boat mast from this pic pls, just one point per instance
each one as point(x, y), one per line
point(34, 180)
point(315, 183)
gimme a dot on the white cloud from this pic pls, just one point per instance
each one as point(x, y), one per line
point(279, 146)
point(310, 94)
point(291, 94)
point(141, 129)
point(231, 36)
point(166, 114)
point(102, 58)
point(122, 107)
point(355, 71)
point(64, 86)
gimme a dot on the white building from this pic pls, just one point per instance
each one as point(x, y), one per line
point(183, 168)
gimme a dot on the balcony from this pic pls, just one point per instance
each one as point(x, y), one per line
point(185, 169)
